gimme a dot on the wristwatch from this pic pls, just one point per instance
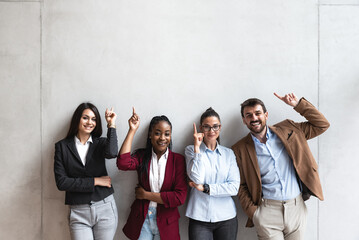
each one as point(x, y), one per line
point(206, 188)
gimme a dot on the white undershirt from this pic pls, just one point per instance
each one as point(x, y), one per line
point(157, 173)
point(82, 149)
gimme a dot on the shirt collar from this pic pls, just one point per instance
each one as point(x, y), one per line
point(165, 155)
point(269, 134)
point(204, 148)
point(79, 142)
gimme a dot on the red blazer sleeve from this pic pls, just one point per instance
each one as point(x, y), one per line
point(177, 195)
point(127, 161)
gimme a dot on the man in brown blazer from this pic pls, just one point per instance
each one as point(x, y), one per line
point(277, 168)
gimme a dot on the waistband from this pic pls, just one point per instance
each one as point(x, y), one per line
point(293, 201)
point(107, 199)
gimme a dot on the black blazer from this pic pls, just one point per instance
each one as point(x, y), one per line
point(75, 178)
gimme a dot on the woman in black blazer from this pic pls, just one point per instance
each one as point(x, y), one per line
point(80, 171)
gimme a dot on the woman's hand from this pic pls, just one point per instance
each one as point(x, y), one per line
point(134, 121)
point(199, 187)
point(104, 181)
point(151, 196)
point(110, 117)
point(140, 192)
point(197, 138)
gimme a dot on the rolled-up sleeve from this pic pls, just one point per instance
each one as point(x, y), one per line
point(127, 161)
point(111, 146)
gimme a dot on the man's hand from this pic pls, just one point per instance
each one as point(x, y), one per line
point(289, 99)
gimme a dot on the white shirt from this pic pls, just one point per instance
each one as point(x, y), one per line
point(157, 173)
point(82, 149)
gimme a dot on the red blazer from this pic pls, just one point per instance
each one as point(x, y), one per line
point(173, 194)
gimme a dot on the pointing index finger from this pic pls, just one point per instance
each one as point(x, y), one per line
point(278, 96)
point(194, 128)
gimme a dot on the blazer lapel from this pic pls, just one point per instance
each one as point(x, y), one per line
point(252, 155)
point(285, 137)
point(71, 145)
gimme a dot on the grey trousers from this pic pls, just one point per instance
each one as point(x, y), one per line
point(281, 220)
point(97, 220)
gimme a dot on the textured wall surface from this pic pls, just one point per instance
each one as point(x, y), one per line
point(20, 121)
point(339, 88)
point(175, 58)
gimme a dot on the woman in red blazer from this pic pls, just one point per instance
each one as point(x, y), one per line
point(162, 182)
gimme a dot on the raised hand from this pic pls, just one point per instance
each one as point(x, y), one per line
point(197, 138)
point(134, 121)
point(290, 99)
point(110, 116)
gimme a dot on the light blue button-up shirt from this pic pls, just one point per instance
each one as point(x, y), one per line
point(219, 170)
point(279, 181)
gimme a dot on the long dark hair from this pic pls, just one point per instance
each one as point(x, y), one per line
point(76, 117)
point(147, 152)
point(210, 113)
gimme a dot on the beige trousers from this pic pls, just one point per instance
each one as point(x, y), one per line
point(278, 220)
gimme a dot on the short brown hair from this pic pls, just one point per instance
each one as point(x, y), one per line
point(251, 102)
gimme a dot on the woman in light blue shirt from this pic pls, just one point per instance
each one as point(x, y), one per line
point(214, 178)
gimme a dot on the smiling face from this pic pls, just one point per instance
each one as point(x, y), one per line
point(211, 123)
point(160, 136)
point(87, 122)
point(255, 119)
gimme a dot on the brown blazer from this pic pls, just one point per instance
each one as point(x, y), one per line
point(294, 137)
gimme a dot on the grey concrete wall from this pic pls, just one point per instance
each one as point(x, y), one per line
point(175, 58)
point(20, 121)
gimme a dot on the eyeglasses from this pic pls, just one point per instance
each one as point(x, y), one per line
point(207, 128)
